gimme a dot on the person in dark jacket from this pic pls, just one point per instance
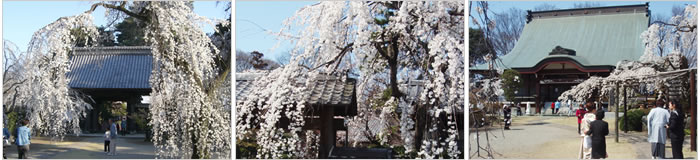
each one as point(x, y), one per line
point(598, 131)
point(506, 117)
point(675, 127)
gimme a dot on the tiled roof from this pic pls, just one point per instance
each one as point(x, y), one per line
point(599, 39)
point(111, 67)
point(329, 90)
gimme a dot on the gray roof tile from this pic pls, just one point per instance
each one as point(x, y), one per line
point(111, 67)
point(327, 89)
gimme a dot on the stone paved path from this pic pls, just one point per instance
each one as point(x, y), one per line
point(554, 137)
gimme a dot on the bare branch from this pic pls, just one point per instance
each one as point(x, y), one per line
point(337, 58)
point(689, 28)
point(121, 7)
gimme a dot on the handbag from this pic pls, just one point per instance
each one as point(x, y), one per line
point(6, 142)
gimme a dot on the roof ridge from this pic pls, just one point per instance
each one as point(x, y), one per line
point(114, 47)
point(252, 76)
point(113, 50)
point(590, 11)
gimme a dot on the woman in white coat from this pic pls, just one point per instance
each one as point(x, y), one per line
point(586, 146)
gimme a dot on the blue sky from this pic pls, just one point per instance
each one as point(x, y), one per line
point(252, 17)
point(21, 19)
point(663, 7)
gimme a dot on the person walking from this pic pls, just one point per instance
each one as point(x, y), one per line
point(6, 141)
point(22, 140)
point(552, 107)
point(586, 147)
point(112, 138)
point(107, 139)
point(544, 109)
point(656, 122)
point(579, 115)
point(557, 105)
point(571, 108)
point(506, 117)
point(598, 131)
point(123, 126)
point(675, 127)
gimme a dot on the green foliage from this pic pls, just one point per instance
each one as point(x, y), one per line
point(12, 119)
point(381, 21)
point(118, 109)
point(140, 118)
point(478, 47)
point(130, 32)
point(379, 103)
point(510, 82)
point(635, 120)
point(105, 37)
point(247, 148)
point(107, 110)
point(398, 151)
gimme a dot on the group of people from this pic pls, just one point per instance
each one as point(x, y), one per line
point(556, 105)
point(593, 130)
point(120, 123)
point(22, 139)
point(111, 139)
point(658, 121)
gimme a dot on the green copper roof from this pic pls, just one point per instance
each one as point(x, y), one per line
point(598, 40)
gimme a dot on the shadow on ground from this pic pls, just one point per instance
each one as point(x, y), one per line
point(84, 148)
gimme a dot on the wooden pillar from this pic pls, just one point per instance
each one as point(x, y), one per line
point(613, 100)
point(538, 97)
point(624, 105)
point(693, 109)
point(130, 110)
point(327, 132)
point(95, 120)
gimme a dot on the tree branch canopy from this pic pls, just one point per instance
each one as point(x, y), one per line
point(121, 7)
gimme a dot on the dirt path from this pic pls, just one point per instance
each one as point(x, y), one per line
point(85, 148)
point(553, 137)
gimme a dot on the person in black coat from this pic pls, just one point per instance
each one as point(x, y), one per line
point(506, 117)
point(598, 131)
point(675, 127)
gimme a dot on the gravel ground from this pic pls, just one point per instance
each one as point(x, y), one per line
point(555, 137)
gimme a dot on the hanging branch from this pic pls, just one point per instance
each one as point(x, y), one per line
point(684, 28)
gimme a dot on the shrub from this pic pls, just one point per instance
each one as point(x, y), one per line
point(635, 120)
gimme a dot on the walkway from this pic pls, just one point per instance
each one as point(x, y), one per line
point(86, 147)
point(554, 137)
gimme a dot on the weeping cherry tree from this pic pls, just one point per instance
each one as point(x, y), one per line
point(190, 98)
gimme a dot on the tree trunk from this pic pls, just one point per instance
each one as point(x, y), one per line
point(420, 127)
point(395, 92)
point(393, 52)
point(195, 151)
